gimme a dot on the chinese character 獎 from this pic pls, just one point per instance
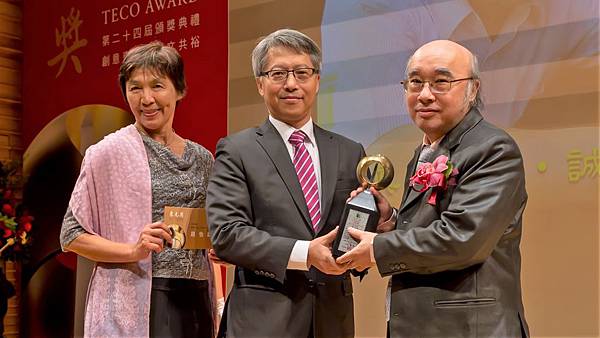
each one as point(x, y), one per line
point(68, 39)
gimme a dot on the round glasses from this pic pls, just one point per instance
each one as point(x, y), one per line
point(439, 86)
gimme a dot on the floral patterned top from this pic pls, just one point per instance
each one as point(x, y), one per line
point(176, 181)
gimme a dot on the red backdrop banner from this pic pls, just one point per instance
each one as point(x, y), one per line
point(73, 49)
point(71, 98)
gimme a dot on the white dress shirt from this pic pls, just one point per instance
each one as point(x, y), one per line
point(299, 256)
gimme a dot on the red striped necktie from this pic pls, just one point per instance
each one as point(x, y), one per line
point(306, 176)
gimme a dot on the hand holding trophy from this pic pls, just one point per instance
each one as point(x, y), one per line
point(361, 211)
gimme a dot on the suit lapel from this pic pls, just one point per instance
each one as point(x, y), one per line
point(410, 169)
point(449, 142)
point(328, 158)
point(270, 140)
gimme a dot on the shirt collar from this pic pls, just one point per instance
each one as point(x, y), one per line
point(285, 130)
point(434, 144)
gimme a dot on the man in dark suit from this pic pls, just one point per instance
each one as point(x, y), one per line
point(275, 196)
point(453, 250)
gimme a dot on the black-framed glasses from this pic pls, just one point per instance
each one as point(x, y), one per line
point(281, 75)
point(439, 86)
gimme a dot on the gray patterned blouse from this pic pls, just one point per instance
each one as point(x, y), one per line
point(177, 182)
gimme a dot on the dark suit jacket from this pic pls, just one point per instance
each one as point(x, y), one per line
point(256, 212)
point(455, 265)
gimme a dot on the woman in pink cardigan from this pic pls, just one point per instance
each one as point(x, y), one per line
point(141, 286)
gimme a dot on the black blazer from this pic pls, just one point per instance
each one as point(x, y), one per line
point(455, 265)
point(256, 212)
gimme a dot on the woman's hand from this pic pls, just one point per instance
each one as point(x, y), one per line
point(152, 238)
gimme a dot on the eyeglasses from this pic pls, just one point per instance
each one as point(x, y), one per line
point(439, 86)
point(281, 75)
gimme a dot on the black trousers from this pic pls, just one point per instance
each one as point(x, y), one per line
point(180, 308)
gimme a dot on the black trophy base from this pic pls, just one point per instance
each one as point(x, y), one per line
point(360, 213)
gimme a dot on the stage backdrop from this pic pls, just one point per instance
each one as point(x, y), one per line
point(72, 53)
point(539, 63)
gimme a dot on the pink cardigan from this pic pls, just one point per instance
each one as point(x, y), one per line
point(113, 199)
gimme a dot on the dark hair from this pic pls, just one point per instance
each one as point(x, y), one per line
point(286, 38)
point(155, 57)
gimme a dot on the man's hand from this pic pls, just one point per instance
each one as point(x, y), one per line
point(385, 210)
point(319, 255)
point(212, 255)
point(359, 258)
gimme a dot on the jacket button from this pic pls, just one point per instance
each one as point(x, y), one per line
point(402, 266)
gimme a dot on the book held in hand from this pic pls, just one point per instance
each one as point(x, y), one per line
point(188, 227)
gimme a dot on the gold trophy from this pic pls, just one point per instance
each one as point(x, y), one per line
point(361, 211)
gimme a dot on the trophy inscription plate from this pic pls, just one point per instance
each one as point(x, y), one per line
point(361, 211)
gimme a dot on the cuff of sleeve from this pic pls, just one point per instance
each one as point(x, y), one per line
point(299, 256)
point(220, 306)
point(393, 216)
point(372, 252)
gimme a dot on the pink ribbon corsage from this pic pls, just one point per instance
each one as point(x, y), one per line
point(437, 175)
